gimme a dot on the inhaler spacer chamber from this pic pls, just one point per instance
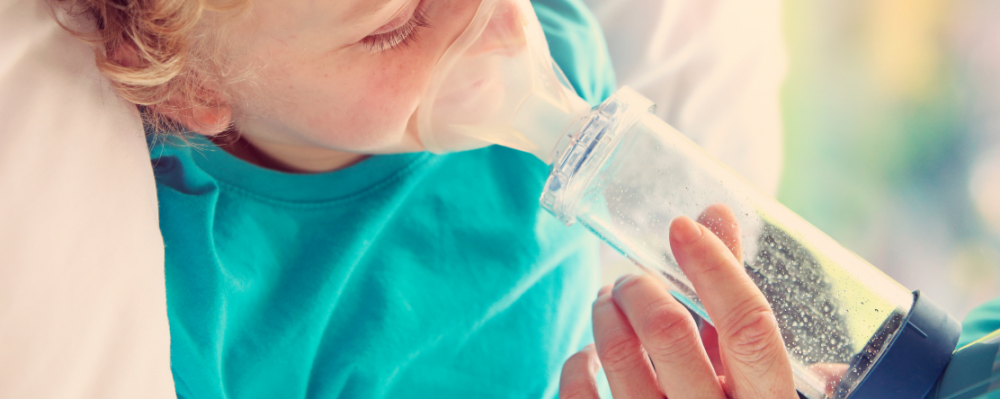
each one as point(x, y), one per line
point(850, 331)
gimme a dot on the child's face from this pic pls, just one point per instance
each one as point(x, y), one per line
point(341, 76)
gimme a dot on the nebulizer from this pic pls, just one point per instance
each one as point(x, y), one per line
point(625, 174)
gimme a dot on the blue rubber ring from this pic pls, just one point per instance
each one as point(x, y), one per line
point(916, 357)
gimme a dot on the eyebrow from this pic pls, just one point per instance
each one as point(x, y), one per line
point(366, 8)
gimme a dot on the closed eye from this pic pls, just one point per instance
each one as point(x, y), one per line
point(402, 36)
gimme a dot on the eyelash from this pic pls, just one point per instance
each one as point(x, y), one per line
point(401, 36)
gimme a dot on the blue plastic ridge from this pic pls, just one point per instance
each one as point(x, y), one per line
point(916, 357)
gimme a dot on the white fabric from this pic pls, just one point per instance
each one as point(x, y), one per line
point(713, 67)
point(82, 294)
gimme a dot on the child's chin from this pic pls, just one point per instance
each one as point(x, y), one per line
point(374, 143)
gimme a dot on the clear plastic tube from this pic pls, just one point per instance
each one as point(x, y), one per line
point(627, 174)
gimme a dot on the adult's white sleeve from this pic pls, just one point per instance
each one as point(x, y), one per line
point(713, 67)
point(82, 296)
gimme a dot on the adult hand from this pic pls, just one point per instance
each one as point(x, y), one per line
point(650, 346)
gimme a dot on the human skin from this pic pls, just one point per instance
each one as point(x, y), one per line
point(638, 324)
point(323, 95)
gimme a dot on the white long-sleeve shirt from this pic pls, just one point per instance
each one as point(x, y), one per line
point(713, 67)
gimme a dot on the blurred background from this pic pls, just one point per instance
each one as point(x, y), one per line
point(892, 137)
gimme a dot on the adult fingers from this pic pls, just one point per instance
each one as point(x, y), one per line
point(670, 336)
point(831, 374)
point(630, 375)
point(604, 290)
point(579, 375)
point(710, 340)
point(750, 344)
point(722, 222)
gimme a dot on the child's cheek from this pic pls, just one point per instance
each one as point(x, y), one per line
point(394, 89)
point(372, 102)
point(399, 81)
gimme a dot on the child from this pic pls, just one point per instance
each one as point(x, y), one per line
point(310, 251)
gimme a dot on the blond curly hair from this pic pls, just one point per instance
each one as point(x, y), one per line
point(153, 51)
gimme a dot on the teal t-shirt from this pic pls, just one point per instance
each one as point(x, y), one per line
point(978, 323)
point(408, 275)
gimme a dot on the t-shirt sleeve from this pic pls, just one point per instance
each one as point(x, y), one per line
point(980, 321)
point(977, 324)
point(577, 45)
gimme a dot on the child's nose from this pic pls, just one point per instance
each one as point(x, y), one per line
point(504, 32)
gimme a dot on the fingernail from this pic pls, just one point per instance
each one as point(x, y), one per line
point(621, 278)
point(604, 290)
point(684, 230)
